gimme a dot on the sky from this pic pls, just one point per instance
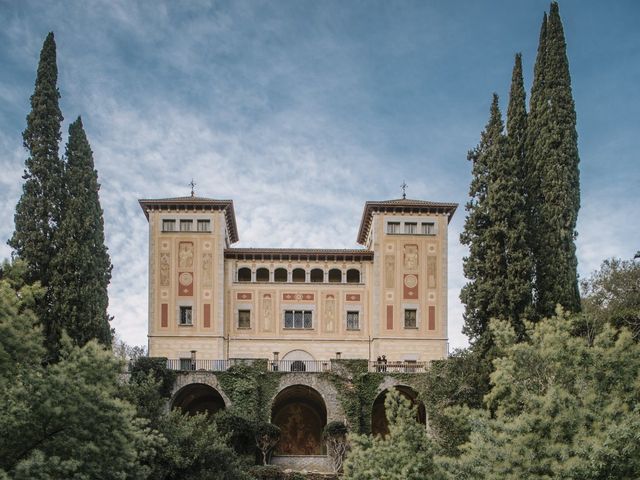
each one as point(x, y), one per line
point(300, 111)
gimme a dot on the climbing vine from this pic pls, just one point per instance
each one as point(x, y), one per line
point(250, 388)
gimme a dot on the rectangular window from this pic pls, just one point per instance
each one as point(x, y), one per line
point(186, 225)
point(428, 228)
point(353, 320)
point(410, 228)
point(204, 225)
point(244, 318)
point(393, 227)
point(298, 319)
point(186, 316)
point(410, 316)
point(168, 225)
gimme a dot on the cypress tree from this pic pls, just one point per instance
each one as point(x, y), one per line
point(554, 180)
point(484, 295)
point(38, 211)
point(82, 266)
point(509, 207)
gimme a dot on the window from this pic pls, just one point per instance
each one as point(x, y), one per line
point(428, 228)
point(353, 320)
point(353, 275)
point(410, 228)
point(186, 316)
point(298, 319)
point(335, 275)
point(298, 275)
point(262, 275)
point(410, 318)
point(280, 275)
point(393, 227)
point(317, 275)
point(204, 225)
point(244, 318)
point(186, 364)
point(244, 274)
point(168, 225)
point(186, 225)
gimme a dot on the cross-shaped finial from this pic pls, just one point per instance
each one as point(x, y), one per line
point(404, 189)
point(192, 184)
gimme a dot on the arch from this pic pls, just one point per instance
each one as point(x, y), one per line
point(379, 425)
point(353, 275)
point(298, 275)
point(244, 274)
point(198, 398)
point(298, 361)
point(317, 275)
point(280, 275)
point(301, 414)
point(262, 275)
point(335, 275)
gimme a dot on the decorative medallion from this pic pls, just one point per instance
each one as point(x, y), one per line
point(297, 296)
point(411, 281)
point(410, 290)
point(206, 245)
point(353, 297)
point(243, 296)
point(186, 279)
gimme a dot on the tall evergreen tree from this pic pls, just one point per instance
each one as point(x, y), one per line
point(552, 151)
point(82, 268)
point(484, 295)
point(508, 201)
point(39, 208)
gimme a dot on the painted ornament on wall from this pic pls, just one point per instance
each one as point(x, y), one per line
point(411, 257)
point(389, 271)
point(185, 255)
point(165, 267)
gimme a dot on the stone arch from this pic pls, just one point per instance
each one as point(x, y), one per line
point(186, 379)
point(198, 398)
point(335, 275)
point(353, 275)
point(379, 424)
point(298, 275)
point(317, 275)
point(280, 275)
point(244, 274)
point(301, 414)
point(262, 274)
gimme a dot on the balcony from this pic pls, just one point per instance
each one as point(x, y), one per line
point(290, 366)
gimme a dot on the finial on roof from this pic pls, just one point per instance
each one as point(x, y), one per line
point(404, 189)
point(192, 184)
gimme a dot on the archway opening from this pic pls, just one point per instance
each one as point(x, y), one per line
point(301, 414)
point(379, 424)
point(280, 275)
point(335, 275)
point(262, 275)
point(244, 274)
point(353, 275)
point(317, 275)
point(298, 275)
point(198, 398)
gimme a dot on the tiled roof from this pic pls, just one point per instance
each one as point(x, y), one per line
point(401, 205)
point(310, 253)
point(197, 202)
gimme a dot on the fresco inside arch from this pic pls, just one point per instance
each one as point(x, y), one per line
point(301, 430)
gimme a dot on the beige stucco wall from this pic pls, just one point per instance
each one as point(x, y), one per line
point(400, 261)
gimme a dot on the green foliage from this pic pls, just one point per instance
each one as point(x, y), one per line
point(62, 420)
point(38, 211)
point(266, 437)
point(485, 294)
point(250, 388)
point(194, 450)
point(266, 472)
point(405, 454)
point(554, 184)
point(240, 433)
point(157, 367)
point(335, 437)
point(449, 388)
point(81, 268)
point(563, 407)
point(357, 390)
point(612, 295)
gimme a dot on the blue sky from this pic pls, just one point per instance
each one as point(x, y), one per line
point(300, 111)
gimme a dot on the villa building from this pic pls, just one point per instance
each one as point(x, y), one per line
point(299, 308)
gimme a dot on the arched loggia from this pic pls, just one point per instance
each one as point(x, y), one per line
point(301, 414)
point(198, 398)
point(379, 425)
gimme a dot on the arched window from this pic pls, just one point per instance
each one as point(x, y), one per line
point(262, 275)
point(244, 274)
point(280, 275)
point(317, 275)
point(298, 275)
point(335, 275)
point(353, 275)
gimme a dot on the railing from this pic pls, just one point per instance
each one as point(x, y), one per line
point(398, 367)
point(300, 366)
point(186, 364)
